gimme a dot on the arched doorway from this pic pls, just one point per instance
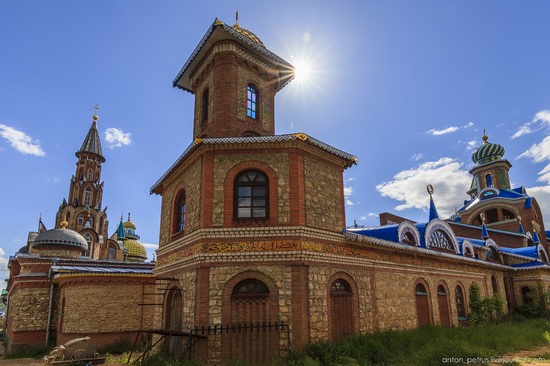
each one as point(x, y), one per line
point(249, 341)
point(173, 321)
point(342, 320)
point(443, 304)
point(422, 305)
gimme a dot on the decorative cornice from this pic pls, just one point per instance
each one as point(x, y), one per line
point(349, 159)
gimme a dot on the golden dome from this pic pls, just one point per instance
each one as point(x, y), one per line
point(135, 249)
point(248, 34)
point(129, 225)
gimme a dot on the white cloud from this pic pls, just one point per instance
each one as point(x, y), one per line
point(542, 195)
point(116, 137)
point(150, 246)
point(52, 179)
point(3, 266)
point(448, 177)
point(471, 145)
point(542, 118)
point(539, 153)
point(417, 157)
point(348, 191)
point(443, 132)
point(469, 124)
point(369, 216)
point(20, 141)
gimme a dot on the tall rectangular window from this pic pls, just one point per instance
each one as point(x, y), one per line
point(251, 101)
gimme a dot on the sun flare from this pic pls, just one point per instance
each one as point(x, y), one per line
point(302, 71)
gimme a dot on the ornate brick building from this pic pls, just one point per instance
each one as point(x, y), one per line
point(252, 227)
point(59, 281)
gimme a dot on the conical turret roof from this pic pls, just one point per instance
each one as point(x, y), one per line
point(92, 143)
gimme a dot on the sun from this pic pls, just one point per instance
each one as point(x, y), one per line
point(303, 71)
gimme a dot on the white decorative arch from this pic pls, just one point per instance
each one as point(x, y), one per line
point(407, 227)
point(542, 253)
point(467, 244)
point(491, 244)
point(438, 224)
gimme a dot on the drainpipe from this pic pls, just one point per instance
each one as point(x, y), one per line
point(50, 307)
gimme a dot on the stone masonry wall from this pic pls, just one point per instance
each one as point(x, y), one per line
point(29, 309)
point(96, 308)
point(190, 180)
point(323, 195)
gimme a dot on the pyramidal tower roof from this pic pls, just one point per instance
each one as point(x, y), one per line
point(92, 143)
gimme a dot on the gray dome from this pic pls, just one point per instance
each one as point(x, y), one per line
point(61, 237)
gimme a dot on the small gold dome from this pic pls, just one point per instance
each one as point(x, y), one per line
point(135, 249)
point(129, 225)
point(248, 34)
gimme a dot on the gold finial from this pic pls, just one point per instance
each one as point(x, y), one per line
point(237, 17)
point(95, 117)
point(64, 224)
point(482, 217)
point(430, 189)
point(484, 137)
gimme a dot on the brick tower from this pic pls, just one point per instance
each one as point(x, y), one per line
point(241, 203)
point(83, 210)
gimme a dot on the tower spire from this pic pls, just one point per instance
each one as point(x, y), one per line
point(92, 143)
point(433, 209)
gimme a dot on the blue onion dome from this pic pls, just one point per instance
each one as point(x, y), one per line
point(487, 152)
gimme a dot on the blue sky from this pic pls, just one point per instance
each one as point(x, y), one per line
point(406, 86)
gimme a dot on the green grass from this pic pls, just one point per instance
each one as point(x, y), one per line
point(426, 346)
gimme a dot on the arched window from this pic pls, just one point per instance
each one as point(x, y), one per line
point(508, 215)
point(179, 213)
point(443, 303)
point(87, 196)
point(252, 288)
point(492, 255)
point(90, 241)
point(80, 219)
point(409, 239)
point(251, 101)
point(341, 310)
point(494, 284)
point(460, 305)
point(440, 240)
point(112, 252)
point(205, 106)
point(526, 295)
point(251, 195)
point(90, 175)
point(489, 180)
point(422, 305)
